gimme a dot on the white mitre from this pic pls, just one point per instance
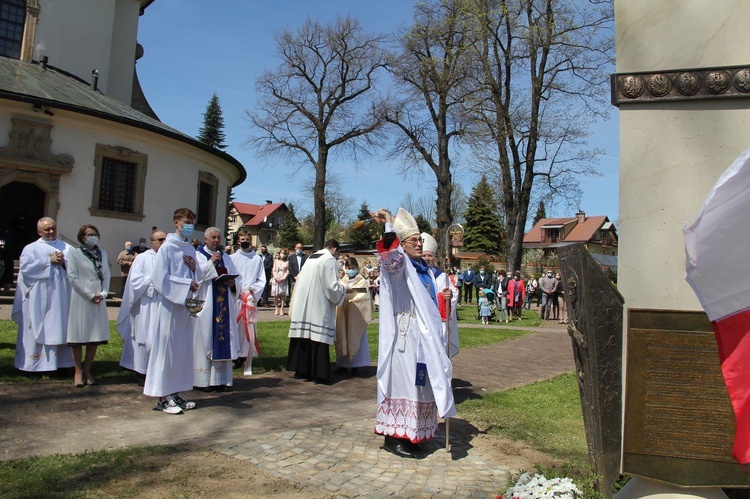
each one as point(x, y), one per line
point(404, 225)
point(430, 244)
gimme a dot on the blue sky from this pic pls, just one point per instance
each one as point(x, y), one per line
point(195, 48)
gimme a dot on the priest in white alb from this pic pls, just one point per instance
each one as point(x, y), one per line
point(450, 324)
point(313, 328)
point(414, 373)
point(136, 321)
point(252, 280)
point(215, 342)
point(42, 302)
point(352, 319)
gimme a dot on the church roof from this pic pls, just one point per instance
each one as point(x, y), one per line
point(56, 89)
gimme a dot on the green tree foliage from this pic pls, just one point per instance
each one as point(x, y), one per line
point(540, 213)
point(363, 234)
point(289, 234)
point(483, 229)
point(423, 223)
point(212, 131)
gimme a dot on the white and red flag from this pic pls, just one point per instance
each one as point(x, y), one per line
point(718, 269)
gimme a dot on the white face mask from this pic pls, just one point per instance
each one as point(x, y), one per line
point(92, 241)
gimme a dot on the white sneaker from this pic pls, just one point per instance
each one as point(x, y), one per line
point(182, 402)
point(168, 405)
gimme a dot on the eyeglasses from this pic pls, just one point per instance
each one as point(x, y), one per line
point(160, 239)
point(414, 241)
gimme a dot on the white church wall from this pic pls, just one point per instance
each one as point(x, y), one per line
point(80, 36)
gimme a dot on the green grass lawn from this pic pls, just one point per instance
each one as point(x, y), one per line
point(547, 415)
point(272, 336)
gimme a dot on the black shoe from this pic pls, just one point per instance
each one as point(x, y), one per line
point(399, 446)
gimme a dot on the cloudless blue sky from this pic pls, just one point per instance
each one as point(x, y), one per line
point(195, 48)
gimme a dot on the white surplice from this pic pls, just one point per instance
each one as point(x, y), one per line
point(411, 331)
point(252, 279)
point(352, 319)
point(136, 321)
point(450, 337)
point(316, 295)
point(206, 370)
point(170, 364)
point(40, 308)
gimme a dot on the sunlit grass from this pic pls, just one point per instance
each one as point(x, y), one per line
point(547, 415)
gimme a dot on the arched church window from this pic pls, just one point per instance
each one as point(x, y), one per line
point(12, 18)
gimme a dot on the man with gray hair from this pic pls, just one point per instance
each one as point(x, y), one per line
point(41, 303)
point(216, 342)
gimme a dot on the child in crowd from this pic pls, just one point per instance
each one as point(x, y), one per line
point(485, 308)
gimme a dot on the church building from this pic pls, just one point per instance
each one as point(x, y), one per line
point(78, 139)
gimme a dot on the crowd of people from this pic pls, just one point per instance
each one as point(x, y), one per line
point(506, 294)
point(189, 314)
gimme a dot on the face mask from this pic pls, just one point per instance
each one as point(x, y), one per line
point(299, 253)
point(92, 241)
point(128, 248)
point(549, 275)
point(283, 256)
point(481, 272)
point(245, 245)
point(352, 272)
point(187, 229)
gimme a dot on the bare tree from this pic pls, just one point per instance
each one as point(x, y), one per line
point(320, 97)
point(423, 205)
point(430, 72)
point(542, 79)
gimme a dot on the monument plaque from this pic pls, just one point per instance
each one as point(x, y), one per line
point(595, 313)
point(679, 423)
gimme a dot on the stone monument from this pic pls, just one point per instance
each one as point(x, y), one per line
point(682, 85)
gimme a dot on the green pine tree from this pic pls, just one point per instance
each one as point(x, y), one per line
point(364, 234)
point(288, 234)
point(483, 228)
point(541, 213)
point(212, 131)
point(423, 224)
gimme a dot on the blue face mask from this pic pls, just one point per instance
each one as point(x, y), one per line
point(352, 272)
point(187, 229)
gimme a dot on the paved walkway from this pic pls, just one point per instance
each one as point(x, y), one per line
point(318, 435)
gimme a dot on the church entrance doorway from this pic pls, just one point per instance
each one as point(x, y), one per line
point(21, 205)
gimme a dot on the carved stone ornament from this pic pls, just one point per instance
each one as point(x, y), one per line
point(632, 86)
point(717, 82)
point(681, 84)
point(659, 85)
point(742, 80)
point(30, 148)
point(688, 83)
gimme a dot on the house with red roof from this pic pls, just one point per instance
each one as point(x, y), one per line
point(263, 220)
point(598, 234)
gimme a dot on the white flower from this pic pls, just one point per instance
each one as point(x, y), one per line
point(539, 487)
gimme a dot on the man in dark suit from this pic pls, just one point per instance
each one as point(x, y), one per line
point(469, 275)
point(483, 280)
point(296, 261)
point(268, 267)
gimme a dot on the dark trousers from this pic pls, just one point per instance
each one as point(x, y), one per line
point(264, 297)
point(460, 294)
point(468, 291)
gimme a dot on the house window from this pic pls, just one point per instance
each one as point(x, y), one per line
point(12, 18)
point(119, 182)
point(208, 186)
